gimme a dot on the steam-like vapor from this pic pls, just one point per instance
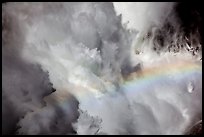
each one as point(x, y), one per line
point(87, 53)
point(155, 14)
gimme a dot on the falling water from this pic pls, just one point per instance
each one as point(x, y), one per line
point(110, 76)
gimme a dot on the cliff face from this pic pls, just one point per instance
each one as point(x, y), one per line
point(196, 129)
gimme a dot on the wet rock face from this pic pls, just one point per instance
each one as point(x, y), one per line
point(191, 17)
point(196, 129)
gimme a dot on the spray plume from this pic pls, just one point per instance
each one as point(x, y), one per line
point(110, 78)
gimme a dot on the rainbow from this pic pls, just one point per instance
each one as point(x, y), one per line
point(160, 72)
point(146, 78)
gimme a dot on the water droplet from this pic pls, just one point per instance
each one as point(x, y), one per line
point(190, 87)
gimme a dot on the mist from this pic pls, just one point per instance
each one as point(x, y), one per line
point(65, 67)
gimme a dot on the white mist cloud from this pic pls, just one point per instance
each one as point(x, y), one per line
point(86, 51)
point(143, 15)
